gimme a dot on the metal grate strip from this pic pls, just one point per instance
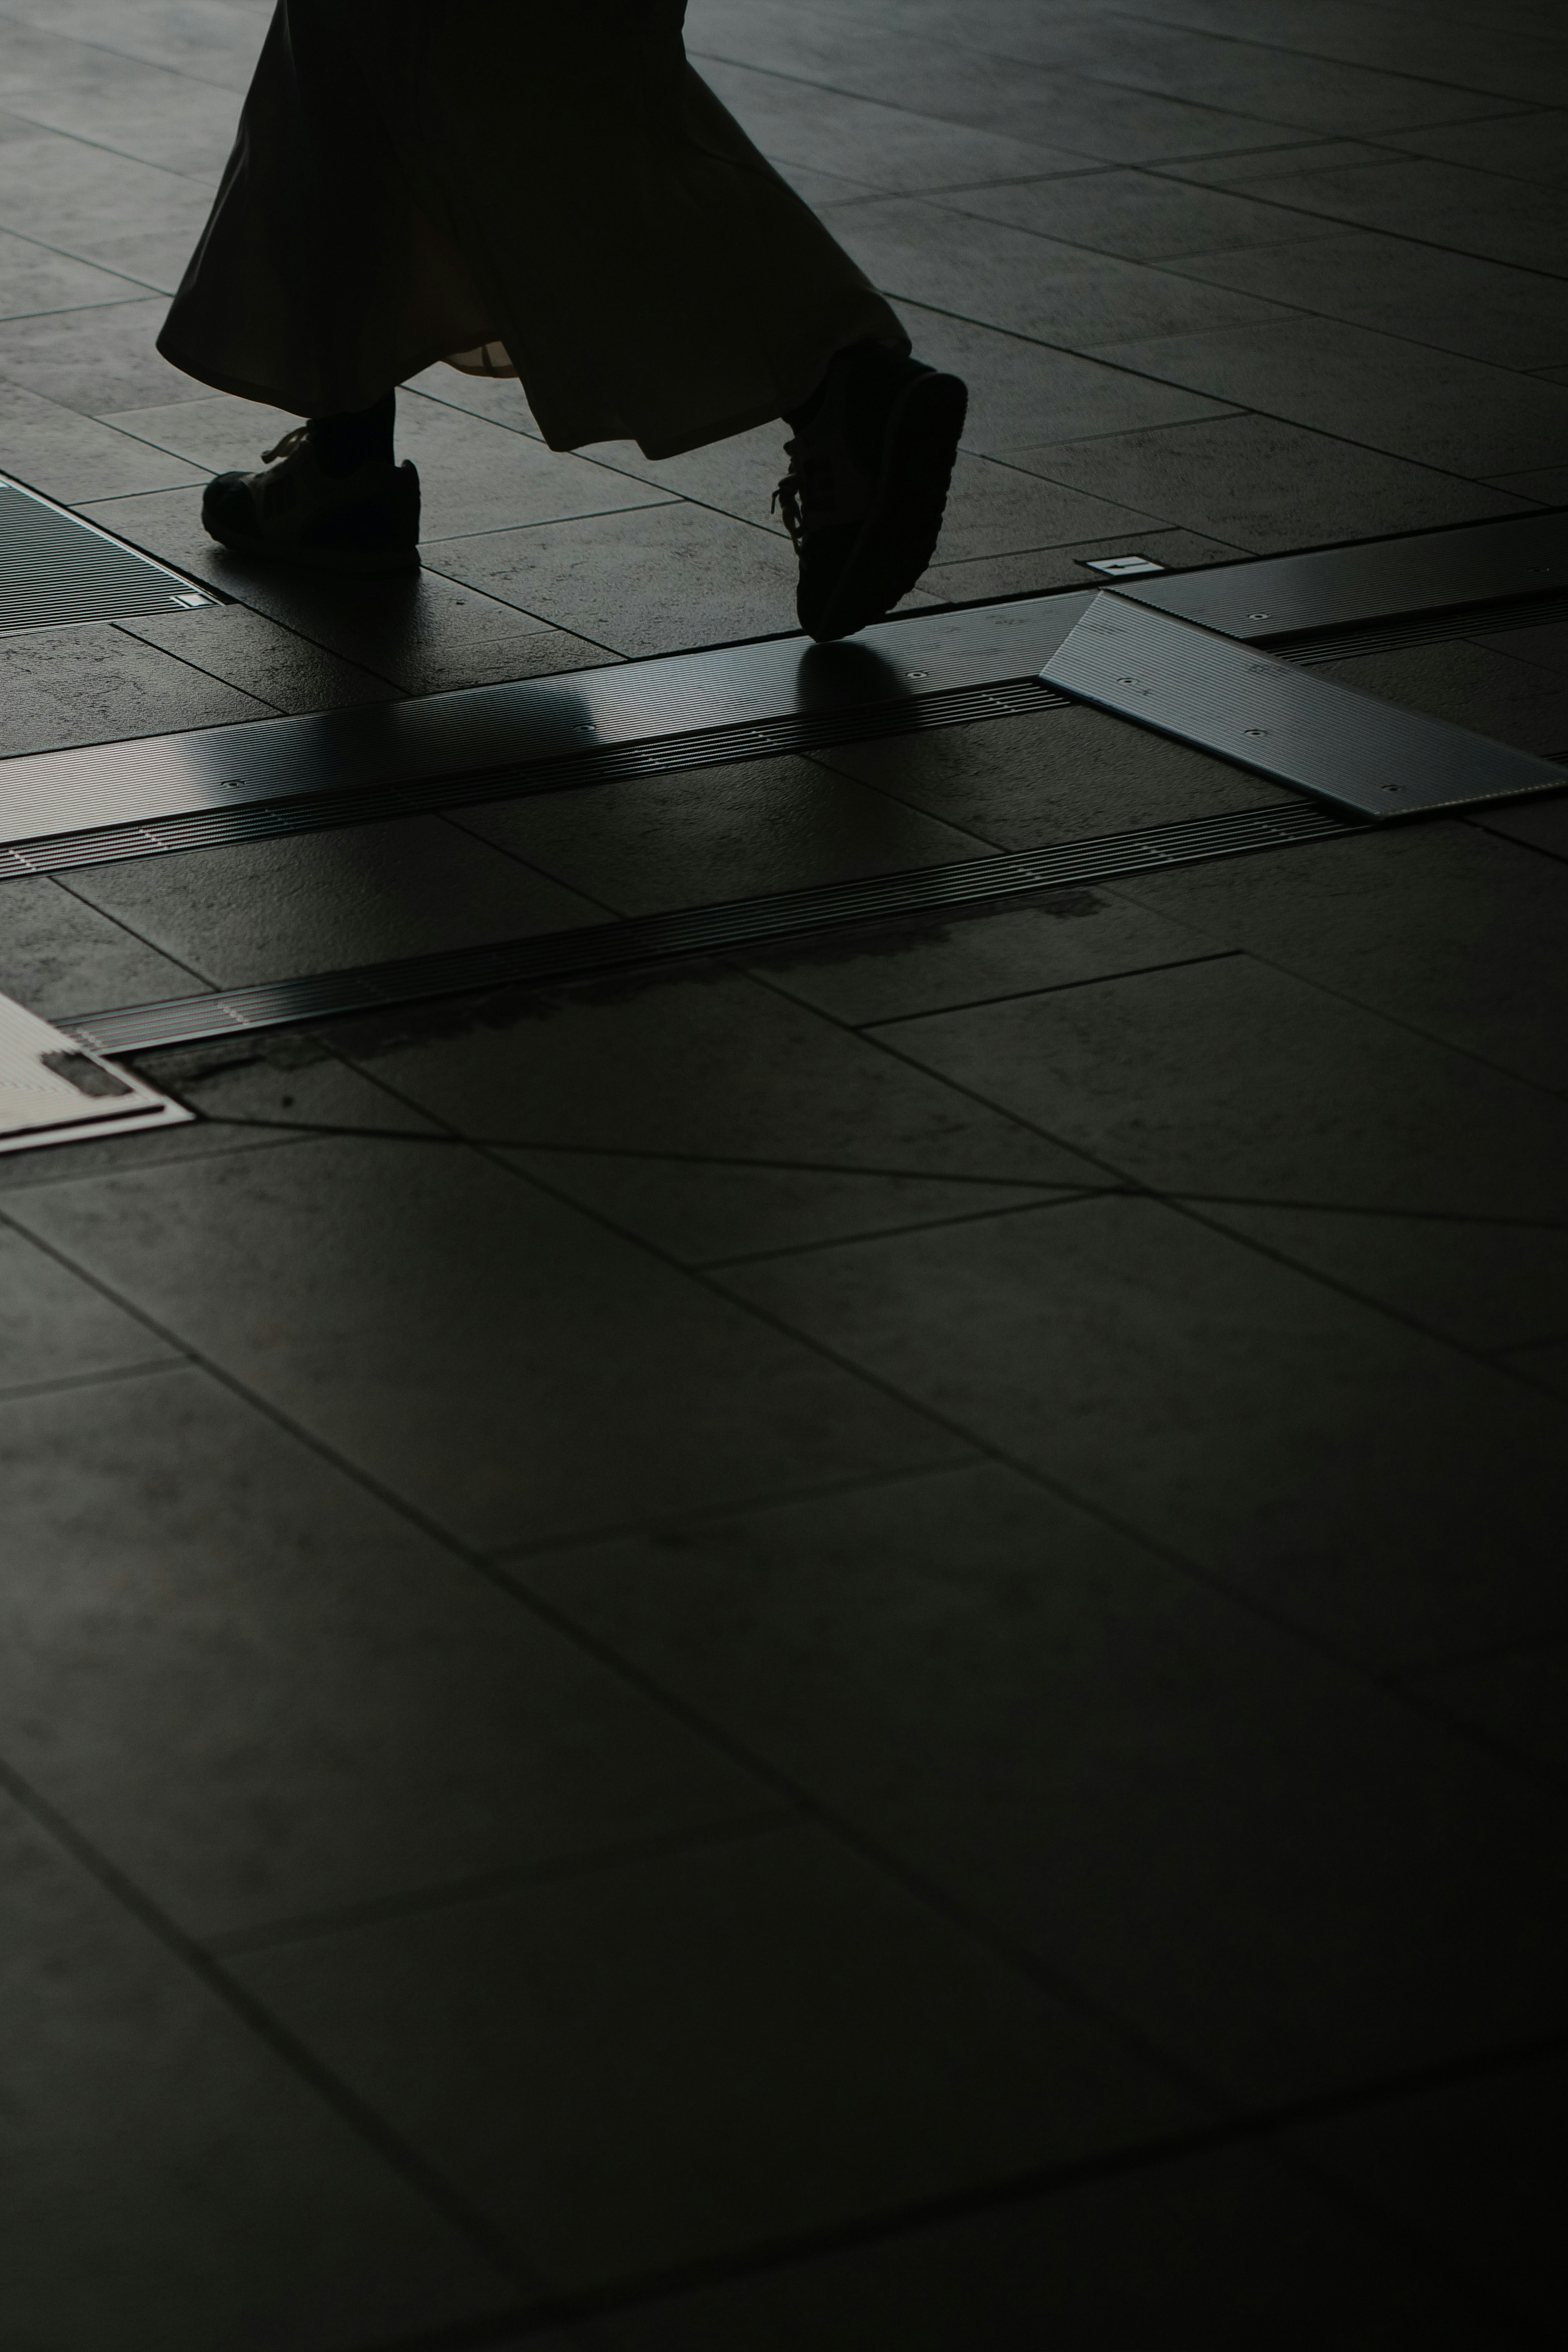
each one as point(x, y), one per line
point(57, 570)
point(649, 939)
point(421, 796)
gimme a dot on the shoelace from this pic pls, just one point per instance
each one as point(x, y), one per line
point(286, 447)
point(806, 488)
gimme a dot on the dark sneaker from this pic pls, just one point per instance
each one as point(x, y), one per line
point(870, 464)
point(295, 512)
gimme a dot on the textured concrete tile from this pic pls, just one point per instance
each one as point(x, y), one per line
point(1510, 318)
point(56, 1327)
point(707, 1066)
point(1132, 213)
point(98, 206)
point(645, 581)
point(264, 1695)
point(1542, 823)
point(1442, 926)
point(738, 475)
point(35, 281)
point(862, 139)
point(1453, 41)
point(1474, 2171)
point(281, 1079)
point(704, 1212)
point(1265, 484)
point(177, 2172)
point(94, 361)
point(1287, 1439)
point(955, 85)
point(982, 577)
point(74, 458)
point(474, 476)
point(318, 901)
point(1055, 940)
point(1005, 277)
point(1234, 1078)
point(1271, 163)
point(1210, 2254)
point(1055, 775)
point(997, 510)
point(1020, 392)
point(60, 956)
point(421, 631)
point(245, 650)
point(498, 1360)
point(681, 2060)
point(1245, 1850)
point(1544, 644)
point(1484, 1286)
point(213, 41)
point(155, 117)
point(718, 834)
point(1447, 411)
point(97, 685)
point(1519, 146)
point(1438, 203)
point(1518, 1699)
point(1516, 702)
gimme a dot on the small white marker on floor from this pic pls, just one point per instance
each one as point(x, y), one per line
point(1121, 567)
point(52, 1090)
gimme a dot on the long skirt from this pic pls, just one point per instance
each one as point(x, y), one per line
point(537, 187)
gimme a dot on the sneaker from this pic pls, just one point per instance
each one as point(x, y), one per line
point(295, 512)
point(870, 464)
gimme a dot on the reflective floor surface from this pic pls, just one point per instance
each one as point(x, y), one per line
point(861, 1648)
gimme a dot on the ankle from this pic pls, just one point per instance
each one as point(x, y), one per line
point(358, 436)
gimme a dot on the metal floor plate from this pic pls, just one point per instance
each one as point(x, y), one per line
point(56, 569)
point(54, 1089)
point(1301, 729)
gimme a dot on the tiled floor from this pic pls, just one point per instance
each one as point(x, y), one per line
point(869, 1650)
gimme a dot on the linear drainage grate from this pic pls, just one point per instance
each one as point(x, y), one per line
point(422, 795)
point(56, 569)
point(599, 948)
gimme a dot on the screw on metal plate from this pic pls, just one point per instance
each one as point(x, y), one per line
point(584, 730)
point(917, 673)
point(1260, 617)
point(231, 783)
point(1257, 731)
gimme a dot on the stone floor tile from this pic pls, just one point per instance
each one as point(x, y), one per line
point(1438, 203)
point(580, 1384)
point(78, 196)
point(177, 2172)
point(172, 121)
point(1519, 146)
point(98, 685)
point(500, 398)
point(710, 1066)
point(1052, 776)
point(705, 1213)
point(1546, 1364)
point(984, 577)
point(999, 510)
point(256, 910)
point(243, 648)
point(1025, 1708)
point(648, 580)
point(54, 1326)
point(1211, 2255)
point(737, 477)
point(1485, 1286)
point(1248, 164)
point(1474, 2169)
point(1231, 1078)
point(213, 41)
point(1264, 485)
point(1027, 285)
point(1515, 701)
point(1054, 940)
point(281, 1079)
point(1543, 644)
point(693, 839)
point(35, 282)
point(1021, 393)
point(59, 956)
point(1484, 310)
point(856, 138)
point(1443, 925)
point(263, 1694)
point(419, 631)
point(681, 2060)
point(74, 458)
point(1132, 213)
point(1517, 1698)
point(95, 360)
point(1439, 409)
point(1542, 823)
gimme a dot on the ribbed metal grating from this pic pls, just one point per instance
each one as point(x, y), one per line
point(56, 569)
point(734, 926)
point(662, 756)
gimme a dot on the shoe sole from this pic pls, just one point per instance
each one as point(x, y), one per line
point(353, 561)
point(899, 537)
